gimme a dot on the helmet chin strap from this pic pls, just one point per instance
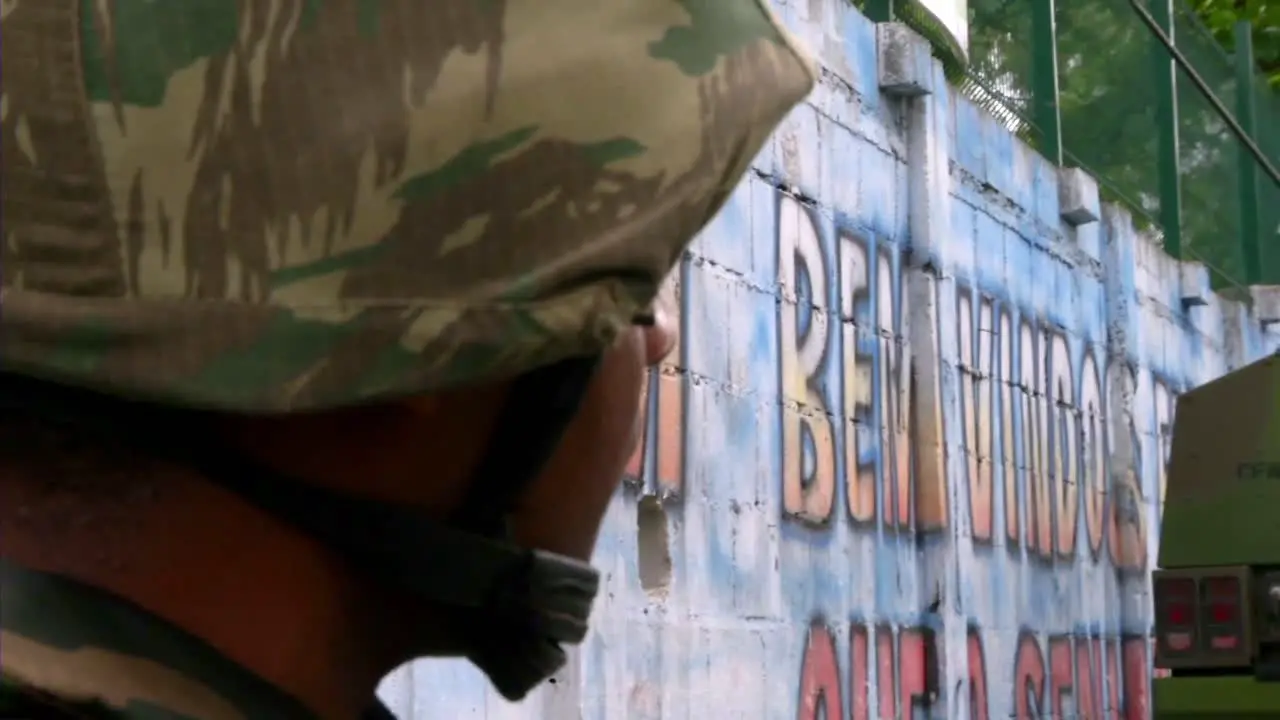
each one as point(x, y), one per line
point(523, 602)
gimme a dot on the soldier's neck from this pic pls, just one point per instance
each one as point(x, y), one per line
point(266, 597)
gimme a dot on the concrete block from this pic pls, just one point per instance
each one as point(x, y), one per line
point(905, 61)
point(1078, 197)
point(1193, 284)
point(1266, 304)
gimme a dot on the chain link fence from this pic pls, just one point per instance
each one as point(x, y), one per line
point(1209, 155)
point(1095, 74)
point(1268, 124)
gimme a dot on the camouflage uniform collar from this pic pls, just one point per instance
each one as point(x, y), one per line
point(86, 647)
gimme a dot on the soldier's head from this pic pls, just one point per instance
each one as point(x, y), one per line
point(128, 516)
point(320, 318)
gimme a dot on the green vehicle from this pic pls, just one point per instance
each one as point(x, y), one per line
point(1217, 594)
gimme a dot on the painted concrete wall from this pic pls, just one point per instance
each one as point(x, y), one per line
point(908, 458)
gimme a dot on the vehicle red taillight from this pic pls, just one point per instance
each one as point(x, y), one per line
point(1204, 617)
point(1221, 613)
point(1220, 600)
point(1175, 601)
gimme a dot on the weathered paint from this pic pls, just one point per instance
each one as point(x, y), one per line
point(910, 451)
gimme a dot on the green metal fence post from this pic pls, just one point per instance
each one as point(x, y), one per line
point(879, 10)
point(1044, 79)
point(1246, 115)
point(1167, 130)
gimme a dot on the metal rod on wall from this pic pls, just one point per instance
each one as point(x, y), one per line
point(1204, 88)
point(1246, 113)
point(1167, 160)
point(1044, 79)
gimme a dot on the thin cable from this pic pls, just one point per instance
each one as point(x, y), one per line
point(1208, 93)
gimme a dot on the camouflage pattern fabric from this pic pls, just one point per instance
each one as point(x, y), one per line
point(275, 205)
point(74, 649)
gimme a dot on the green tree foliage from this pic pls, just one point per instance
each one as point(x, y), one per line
point(1108, 101)
point(1106, 97)
point(1221, 16)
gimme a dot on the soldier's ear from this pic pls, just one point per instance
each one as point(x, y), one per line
point(660, 334)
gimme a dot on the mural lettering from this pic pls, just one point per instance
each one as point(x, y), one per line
point(867, 405)
point(1023, 428)
point(808, 439)
point(1131, 444)
point(1093, 467)
point(877, 384)
point(1034, 419)
point(1035, 429)
point(903, 661)
point(888, 673)
point(1038, 460)
point(657, 463)
point(1080, 676)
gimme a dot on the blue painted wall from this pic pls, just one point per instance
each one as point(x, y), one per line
point(908, 459)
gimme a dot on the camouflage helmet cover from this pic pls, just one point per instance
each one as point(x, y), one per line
point(273, 205)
